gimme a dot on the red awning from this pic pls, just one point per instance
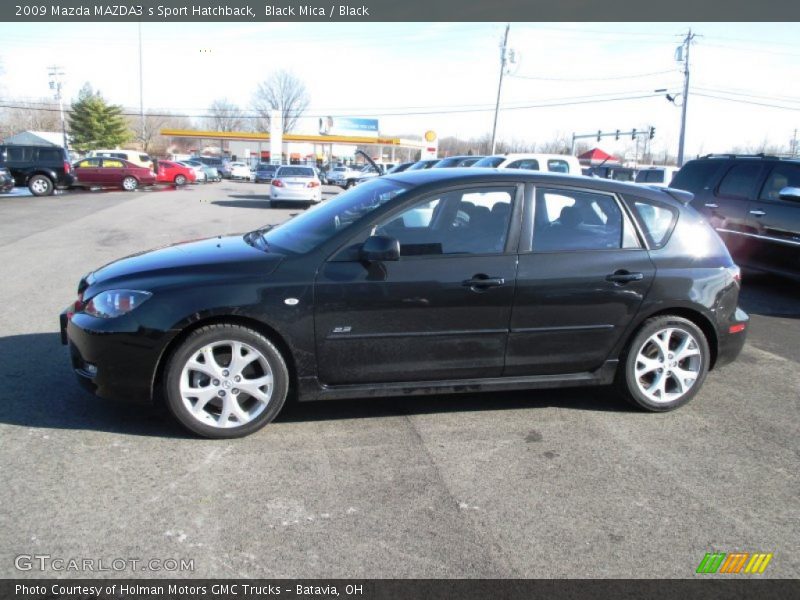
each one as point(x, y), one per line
point(595, 156)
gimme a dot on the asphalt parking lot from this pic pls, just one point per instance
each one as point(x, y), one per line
point(567, 483)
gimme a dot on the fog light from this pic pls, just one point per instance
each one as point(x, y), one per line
point(90, 369)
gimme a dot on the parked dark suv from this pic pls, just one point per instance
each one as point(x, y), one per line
point(41, 168)
point(419, 283)
point(754, 204)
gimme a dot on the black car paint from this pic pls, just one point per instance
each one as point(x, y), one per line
point(23, 170)
point(760, 233)
point(397, 348)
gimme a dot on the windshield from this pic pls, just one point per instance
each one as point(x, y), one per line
point(315, 226)
point(489, 161)
point(423, 164)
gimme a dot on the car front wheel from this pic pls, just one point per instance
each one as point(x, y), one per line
point(226, 381)
point(665, 364)
point(129, 184)
point(40, 185)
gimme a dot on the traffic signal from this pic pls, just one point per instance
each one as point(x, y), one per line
point(616, 137)
point(599, 133)
point(652, 132)
point(633, 134)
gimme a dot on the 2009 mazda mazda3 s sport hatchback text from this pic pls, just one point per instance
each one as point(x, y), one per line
point(422, 282)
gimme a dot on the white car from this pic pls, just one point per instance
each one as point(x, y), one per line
point(659, 176)
point(240, 170)
point(296, 184)
point(554, 163)
point(198, 168)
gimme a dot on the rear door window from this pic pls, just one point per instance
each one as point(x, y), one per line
point(525, 163)
point(19, 154)
point(739, 181)
point(50, 155)
point(568, 220)
point(558, 166)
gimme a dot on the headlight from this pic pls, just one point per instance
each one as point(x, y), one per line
point(114, 303)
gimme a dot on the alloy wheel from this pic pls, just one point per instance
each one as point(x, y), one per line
point(226, 384)
point(667, 365)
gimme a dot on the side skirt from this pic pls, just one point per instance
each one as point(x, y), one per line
point(310, 388)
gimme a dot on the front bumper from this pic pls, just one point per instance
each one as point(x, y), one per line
point(115, 365)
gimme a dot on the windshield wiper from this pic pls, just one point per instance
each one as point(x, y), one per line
point(258, 233)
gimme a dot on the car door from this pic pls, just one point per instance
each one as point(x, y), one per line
point(87, 171)
point(582, 276)
point(441, 311)
point(112, 171)
point(728, 209)
point(776, 222)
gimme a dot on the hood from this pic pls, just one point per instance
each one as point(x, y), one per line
point(218, 257)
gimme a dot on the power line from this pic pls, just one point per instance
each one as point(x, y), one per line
point(740, 101)
point(591, 78)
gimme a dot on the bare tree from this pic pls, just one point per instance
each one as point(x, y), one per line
point(39, 115)
point(151, 140)
point(225, 116)
point(284, 93)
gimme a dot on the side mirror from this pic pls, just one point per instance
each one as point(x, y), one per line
point(789, 193)
point(380, 248)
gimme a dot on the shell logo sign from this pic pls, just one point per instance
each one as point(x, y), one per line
point(432, 145)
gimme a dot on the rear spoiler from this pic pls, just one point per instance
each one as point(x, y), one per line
point(681, 196)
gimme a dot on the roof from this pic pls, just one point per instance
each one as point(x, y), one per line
point(36, 138)
point(469, 175)
point(596, 154)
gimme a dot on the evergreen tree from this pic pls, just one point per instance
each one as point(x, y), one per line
point(96, 124)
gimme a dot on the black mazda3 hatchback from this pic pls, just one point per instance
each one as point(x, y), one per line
point(423, 282)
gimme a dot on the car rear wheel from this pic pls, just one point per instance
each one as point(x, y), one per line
point(40, 185)
point(180, 179)
point(665, 364)
point(129, 184)
point(226, 381)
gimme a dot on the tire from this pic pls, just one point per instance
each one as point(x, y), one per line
point(180, 179)
point(129, 184)
point(218, 383)
point(41, 185)
point(349, 184)
point(665, 364)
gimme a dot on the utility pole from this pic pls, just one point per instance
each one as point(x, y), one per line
point(794, 143)
point(56, 74)
point(500, 84)
point(141, 88)
point(687, 43)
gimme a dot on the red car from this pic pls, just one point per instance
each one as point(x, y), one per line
point(112, 172)
point(171, 172)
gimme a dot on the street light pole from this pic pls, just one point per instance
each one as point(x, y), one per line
point(56, 73)
point(500, 85)
point(141, 88)
point(687, 43)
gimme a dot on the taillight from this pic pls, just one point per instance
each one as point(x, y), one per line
point(67, 167)
point(277, 183)
point(313, 184)
point(736, 328)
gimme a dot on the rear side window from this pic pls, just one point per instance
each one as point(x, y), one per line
point(696, 175)
point(144, 158)
point(525, 163)
point(50, 155)
point(558, 166)
point(650, 176)
point(739, 181)
point(657, 220)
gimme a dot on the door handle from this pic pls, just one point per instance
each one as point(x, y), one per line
point(483, 282)
point(622, 276)
point(711, 205)
point(757, 213)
